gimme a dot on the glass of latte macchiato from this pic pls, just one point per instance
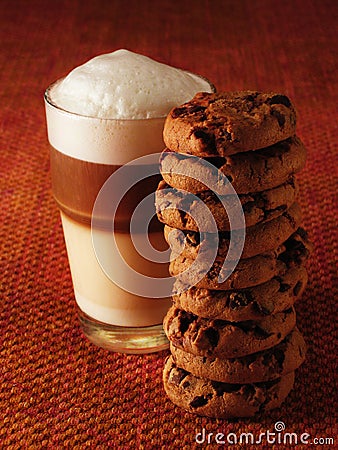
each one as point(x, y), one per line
point(105, 122)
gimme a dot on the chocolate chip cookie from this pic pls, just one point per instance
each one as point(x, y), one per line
point(258, 238)
point(232, 326)
point(252, 171)
point(224, 339)
point(221, 275)
point(267, 365)
point(182, 210)
point(276, 295)
point(225, 123)
point(223, 400)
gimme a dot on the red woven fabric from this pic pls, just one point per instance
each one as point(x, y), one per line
point(57, 389)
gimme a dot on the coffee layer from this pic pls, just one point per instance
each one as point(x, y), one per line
point(76, 184)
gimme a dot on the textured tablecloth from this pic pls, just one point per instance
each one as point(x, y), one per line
point(57, 389)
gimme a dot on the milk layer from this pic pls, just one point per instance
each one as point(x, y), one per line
point(96, 294)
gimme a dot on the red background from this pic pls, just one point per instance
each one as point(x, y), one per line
point(58, 389)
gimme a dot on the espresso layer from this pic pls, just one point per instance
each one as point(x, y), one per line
point(76, 184)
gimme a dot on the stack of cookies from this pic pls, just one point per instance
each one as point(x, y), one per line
point(233, 339)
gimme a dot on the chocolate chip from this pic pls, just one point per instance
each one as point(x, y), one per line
point(188, 109)
point(297, 288)
point(221, 388)
point(213, 336)
point(249, 98)
point(284, 287)
point(199, 401)
point(202, 134)
point(177, 375)
point(302, 233)
point(185, 319)
point(250, 206)
point(238, 300)
point(178, 112)
point(295, 252)
point(280, 100)
point(280, 117)
point(251, 327)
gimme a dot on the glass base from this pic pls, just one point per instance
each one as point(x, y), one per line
point(134, 340)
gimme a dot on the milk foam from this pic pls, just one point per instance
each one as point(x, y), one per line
point(112, 109)
point(125, 85)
